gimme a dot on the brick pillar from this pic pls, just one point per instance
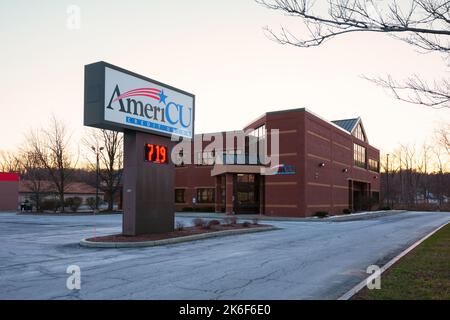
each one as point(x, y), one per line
point(218, 193)
point(229, 193)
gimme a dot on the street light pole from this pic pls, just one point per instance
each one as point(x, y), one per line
point(97, 152)
point(387, 178)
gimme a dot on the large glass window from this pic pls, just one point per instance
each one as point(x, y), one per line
point(205, 195)
point(359, 155)
point(179, 196)
point(259, 133)
point(359, 133)
point(256, 143)
point(374, 165)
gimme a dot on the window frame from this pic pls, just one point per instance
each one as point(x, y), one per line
point(210, 195)
point(359, 152)
point(183, 195)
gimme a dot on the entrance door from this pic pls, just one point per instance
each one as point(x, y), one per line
point(246, 193)
point(360, 196)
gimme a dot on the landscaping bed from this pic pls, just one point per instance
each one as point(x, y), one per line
point(181, 232)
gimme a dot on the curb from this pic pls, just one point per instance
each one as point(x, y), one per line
point(336, 218)
point(153, 243)
point(364, 215)
point(363, 283)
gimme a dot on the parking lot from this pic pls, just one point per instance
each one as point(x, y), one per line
point(303, 260)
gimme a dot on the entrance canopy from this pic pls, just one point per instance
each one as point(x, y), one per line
point(233, 168)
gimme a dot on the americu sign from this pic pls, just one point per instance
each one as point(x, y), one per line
point(149, 113)
point(117, 99)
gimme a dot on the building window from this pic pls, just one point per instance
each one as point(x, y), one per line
point(374, 165)
point(179, 196)
point(259, 133)
point(359, 155)
point(205, 195)
point(359, 133)
point(206, 158)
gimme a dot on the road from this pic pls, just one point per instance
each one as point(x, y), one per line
point(303, 260)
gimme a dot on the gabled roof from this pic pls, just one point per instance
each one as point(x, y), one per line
point(347, 124)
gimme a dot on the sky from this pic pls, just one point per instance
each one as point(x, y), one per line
point(214, 49)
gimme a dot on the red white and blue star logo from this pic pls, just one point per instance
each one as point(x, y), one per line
point(152, 93)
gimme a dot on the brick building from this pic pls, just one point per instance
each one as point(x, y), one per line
point(323, 166)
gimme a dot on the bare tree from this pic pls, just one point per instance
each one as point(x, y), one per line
point(33, 174)
point(52, 148)
point(424, 24)
point(9, 162)
point(443, 137)
point(109, 144)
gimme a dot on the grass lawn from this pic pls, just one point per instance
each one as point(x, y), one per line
point(424, 273)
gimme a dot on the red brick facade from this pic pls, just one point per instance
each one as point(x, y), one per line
point(324, 175)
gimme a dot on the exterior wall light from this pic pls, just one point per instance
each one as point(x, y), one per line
point(345, 170)
point(322, 164)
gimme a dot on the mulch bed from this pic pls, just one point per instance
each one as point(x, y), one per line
point(187, 231)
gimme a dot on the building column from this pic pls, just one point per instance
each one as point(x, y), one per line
point(218, 193)
point(229, 193)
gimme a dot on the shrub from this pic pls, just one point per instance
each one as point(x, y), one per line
point(384, 208)
point(346, 211)
point(91, 202)
point(49, 204)
point(246, 224)
point(321, 214)
point(230, 220)
point(179, 226)
point(212, 223)
point(73, 203)
point(199, 222)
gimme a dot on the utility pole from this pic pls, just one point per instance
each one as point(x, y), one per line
point(97, 152)
point(387, 179)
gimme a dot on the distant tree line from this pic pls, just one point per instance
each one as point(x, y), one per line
point(418, 178)
point(49, 155)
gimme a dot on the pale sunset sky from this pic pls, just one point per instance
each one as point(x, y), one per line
point(214, 49)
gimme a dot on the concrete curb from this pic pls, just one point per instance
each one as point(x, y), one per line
point(363, 283)
point(337, 218)
point(92, 244)
point(364, 215)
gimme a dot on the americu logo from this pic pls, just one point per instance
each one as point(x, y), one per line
point(152, 104)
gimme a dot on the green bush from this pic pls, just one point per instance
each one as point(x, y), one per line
point(73, 203)
point(346, 211)
point(91, 202)
point(321, 214)
point(49, 204)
